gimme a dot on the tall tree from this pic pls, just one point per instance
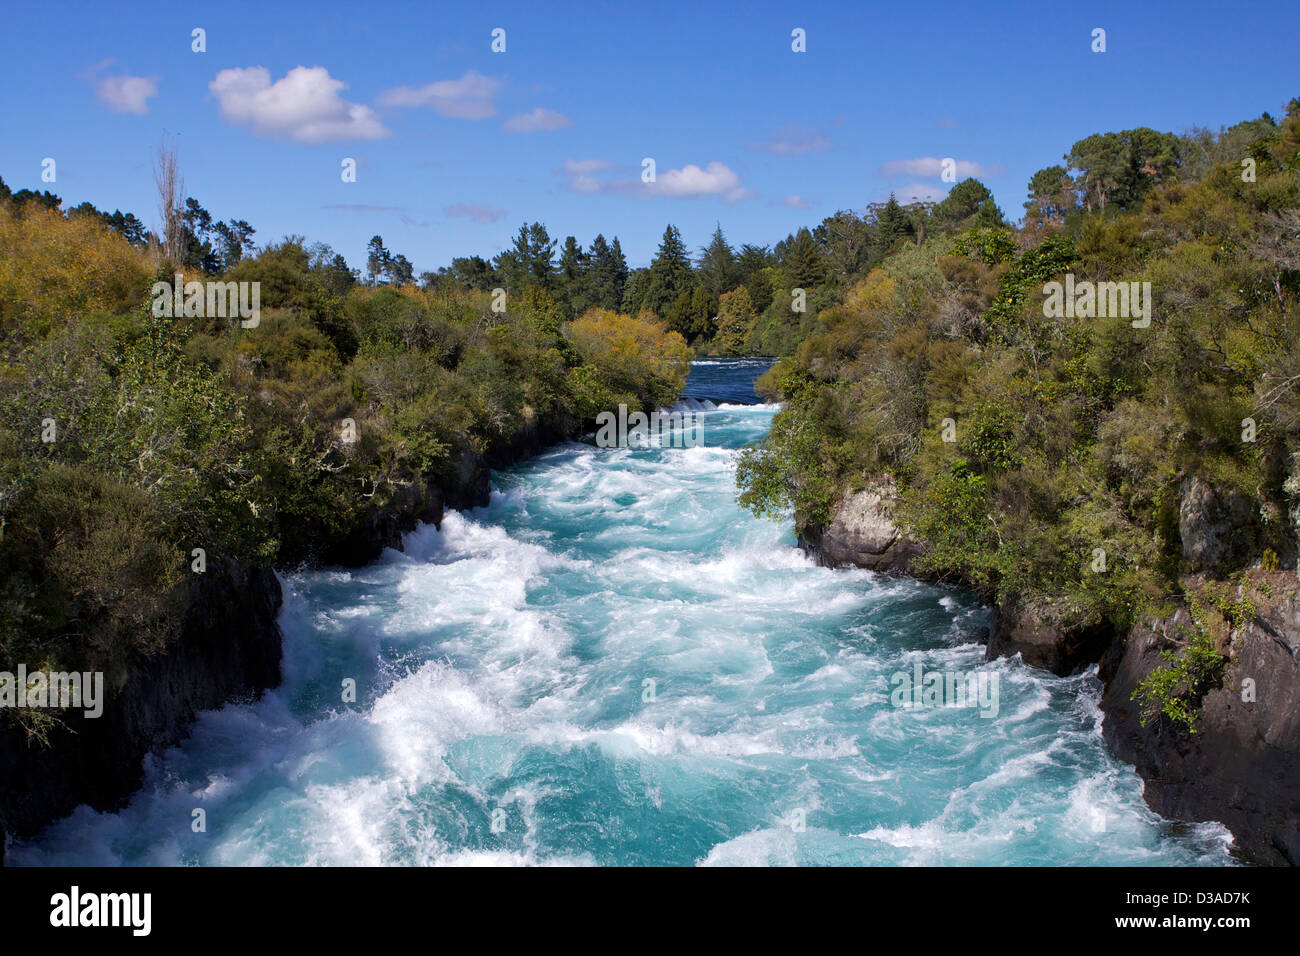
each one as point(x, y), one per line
point(750, 259)
point(1051, 195)
point(377, 259)
point(892, 224)
point(803, 261)
point(968, 205)
point(670, 273)
point(607, 274)
point(574, 264)
point(530, 260)
point(718, 264)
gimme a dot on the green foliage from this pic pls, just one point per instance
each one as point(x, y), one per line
point(1073, 436)
point(277, 444)
point(1175, 687)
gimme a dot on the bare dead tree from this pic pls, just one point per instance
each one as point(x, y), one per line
point(167, 178)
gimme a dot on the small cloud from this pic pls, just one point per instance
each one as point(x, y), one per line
point(794, 201)
point(598, 176)
point(470, 97)
point(929, 166)
point(303, 106)
point(476, 211)
point(946, 122)
point(795, 140)
point(692, 182)
point(539, 120)
point(585, 167)
point(126, 94)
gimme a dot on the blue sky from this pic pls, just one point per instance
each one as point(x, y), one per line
point(457, 145)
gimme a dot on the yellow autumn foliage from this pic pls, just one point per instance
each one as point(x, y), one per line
point(55, 269)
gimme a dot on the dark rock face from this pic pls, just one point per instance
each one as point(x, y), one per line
point(862, 533)
point(1043, 632)
point(1216, 526)
point(229, 646)
point(1242, 766)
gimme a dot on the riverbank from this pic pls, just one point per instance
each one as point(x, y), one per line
point(1240, 766)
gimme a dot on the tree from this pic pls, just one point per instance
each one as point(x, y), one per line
point(803, 261)
point(474, 272)
point(634, 291)
point(530, 261)
point(735, 318)
point(846, 238)
point(1119, 168)
point(1051, 195)
point(670, 273)
point(574, 263)
point(400, 271)
point(167, 179)
point(969, 205)
point(892, 224)
point(236, 240)
point(606, 274)
point(750, 260)
point(335, 275)
point(718, 264)
point(377, 259)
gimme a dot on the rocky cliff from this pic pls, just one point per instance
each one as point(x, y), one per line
point(1242, 764)
point(863, 533)
point(228, 647)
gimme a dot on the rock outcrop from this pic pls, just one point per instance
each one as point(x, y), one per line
point(863, 533)
point(1047, 633)
point(1216, 526)
point(229, 646)
point(1242, 766)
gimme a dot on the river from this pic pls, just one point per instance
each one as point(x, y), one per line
point(614, 664)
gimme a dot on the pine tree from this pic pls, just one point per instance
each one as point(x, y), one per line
point(892, 224)
point(803, 261)
point(377, 258)
point(607, 274)
point(574, 266)
point(670, 273)
point(718, 264)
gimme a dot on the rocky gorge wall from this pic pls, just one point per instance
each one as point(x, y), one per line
point(228, 647)
point(1242, 765)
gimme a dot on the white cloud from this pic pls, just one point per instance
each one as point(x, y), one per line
point(476, 211)
point(692, 182)
point(930, 167)
point(304, 106)
point(795, 140)
point(794, 201)
point(126, 94)
point(593, 176)
point(539, 120)
point(470, 97)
